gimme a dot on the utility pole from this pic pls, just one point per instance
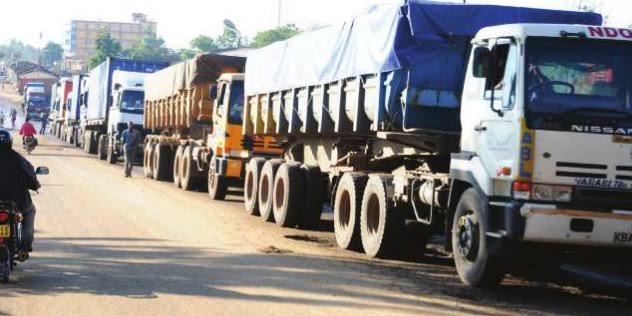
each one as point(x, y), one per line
point(280, 2)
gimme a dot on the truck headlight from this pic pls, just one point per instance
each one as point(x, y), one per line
point(555, 193)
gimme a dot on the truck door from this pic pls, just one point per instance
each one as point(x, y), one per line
point(497, 126)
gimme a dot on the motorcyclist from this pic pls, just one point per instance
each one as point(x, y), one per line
point(18, 177)
point(27, 130)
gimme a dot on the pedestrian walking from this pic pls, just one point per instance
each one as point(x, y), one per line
point(130, 138)
point(14, 116)
point(44, 120)
point(1, 119)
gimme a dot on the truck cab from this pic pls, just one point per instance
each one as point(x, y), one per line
point(230, 149)
point(127, 105)
point(546, 141)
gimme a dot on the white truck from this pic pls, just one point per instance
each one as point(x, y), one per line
point(111, 104)
point(128, 95)
point(509, 138)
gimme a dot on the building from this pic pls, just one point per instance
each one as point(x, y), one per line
point(81, 36)
point(23, 72)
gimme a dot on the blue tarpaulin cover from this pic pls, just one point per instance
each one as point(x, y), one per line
point(388, 38)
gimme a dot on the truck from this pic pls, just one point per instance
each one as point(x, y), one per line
point(71, 118)
point(105, 116)
point(36, 100)
point(194, 111)
point(506, 131)
point(60, 106)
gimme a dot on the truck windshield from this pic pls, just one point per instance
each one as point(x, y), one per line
point(578, 82)
point(236, 102)
point(132, 100)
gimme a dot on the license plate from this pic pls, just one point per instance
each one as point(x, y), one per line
point(623, 238)
point(5, 231)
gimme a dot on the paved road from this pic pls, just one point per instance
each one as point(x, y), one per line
point(107, 245)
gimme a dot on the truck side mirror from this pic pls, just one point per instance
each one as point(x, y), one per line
point(117, 86)
point(482, 62)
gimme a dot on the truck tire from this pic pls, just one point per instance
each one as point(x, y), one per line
point(347, 210)
point(92, 140)
point(251, 185)
point(188, 172)
point(102, 147)
point(177, 159)
point(266, 183)
point(474, 264)
point(148, 157)
point(314, 199)
point(112, 157)
point(217, 185)
point(78, 143)
point(289, 194)
point(381, 223)
point(162, 163)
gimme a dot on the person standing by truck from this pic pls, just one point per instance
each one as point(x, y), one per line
point(130, 139)
point(14, 116)
point(44, 119)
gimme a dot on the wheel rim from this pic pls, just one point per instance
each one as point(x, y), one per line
point(467, 237)
point(279, 193)
point(265, 188)
point(344, 209)
point(373, 214)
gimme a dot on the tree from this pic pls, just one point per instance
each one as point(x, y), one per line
point(203, 44)
point(281, 33)
point(186, 53)
point(152, 47)
point(105, 47)
point(51, 53)
point(229, 39)
point(589, 6)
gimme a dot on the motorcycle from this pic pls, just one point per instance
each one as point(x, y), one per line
point(10, 239)
point(11, 235)
point(29, 144)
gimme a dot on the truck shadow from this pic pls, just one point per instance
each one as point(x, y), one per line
point(147, 269)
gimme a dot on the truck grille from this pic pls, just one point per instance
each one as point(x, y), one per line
point(603, 198)
point(590, 170)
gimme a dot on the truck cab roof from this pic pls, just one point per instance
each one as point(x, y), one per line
point(524, 30)
point(231, 77)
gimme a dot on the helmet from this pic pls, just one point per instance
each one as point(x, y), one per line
point(5, 139)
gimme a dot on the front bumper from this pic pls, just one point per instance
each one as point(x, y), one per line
point(549, 224)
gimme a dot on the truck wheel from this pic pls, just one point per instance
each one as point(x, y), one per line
point(251, 184)
point(289, 194)
point(314, 199)
point(217, 185)
point(112, 157)
point(176, 167)
point(347, 210)
point(474, 264)
point(266, 183)
point(148, 157)
point(162, 157)
point(187, 171)
point(91, 143)
point(381, 224)
point(102, 147)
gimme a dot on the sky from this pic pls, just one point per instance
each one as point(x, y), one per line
point(181, 20)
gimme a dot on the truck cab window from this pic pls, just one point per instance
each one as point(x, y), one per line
point(236, 102)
